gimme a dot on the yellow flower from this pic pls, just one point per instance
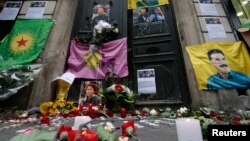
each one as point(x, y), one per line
point(44, 107)
point(61, 104)
point(66, 111)
point(71, 103)
point(53, 111)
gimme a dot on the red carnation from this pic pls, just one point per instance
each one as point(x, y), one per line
point(128, 128)
point(236, 118)
point(118, 88)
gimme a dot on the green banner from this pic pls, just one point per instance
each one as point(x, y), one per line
point(134, 4)
point(25, 42)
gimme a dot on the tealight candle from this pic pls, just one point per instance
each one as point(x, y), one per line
point(123, 112)
point(100, 107)
point(90, 107)
point(188, 129)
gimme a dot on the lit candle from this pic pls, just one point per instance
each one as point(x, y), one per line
point(188, 129)
point(123, 112)
point(90, 107)
point(81, 107)
point(100, 107)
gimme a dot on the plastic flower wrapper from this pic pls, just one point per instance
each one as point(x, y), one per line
point(204, 122)
point(105, 135)
point(103, 32)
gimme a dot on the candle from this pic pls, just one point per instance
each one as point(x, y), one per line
point(123, 112)
point(89, 135)
point(188, 129)
point(90, 107)
point(81, 107)
point(100, 107)
point(79, 120)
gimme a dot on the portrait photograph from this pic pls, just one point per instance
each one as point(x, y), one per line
point(38, 4)
point(212, 20)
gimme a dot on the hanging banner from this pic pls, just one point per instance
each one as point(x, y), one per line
point(221, 65)
point(111, 57)
point(25, 42)
point(134, 4)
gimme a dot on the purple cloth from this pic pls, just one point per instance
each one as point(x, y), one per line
point(111, 56)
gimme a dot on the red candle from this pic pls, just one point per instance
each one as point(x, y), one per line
point(100, 107)
point(133, 112)
point(123, 112)
point(81, 107)
point(90, 107)
point(89, 135)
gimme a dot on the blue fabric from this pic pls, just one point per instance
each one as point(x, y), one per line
point(236, 80)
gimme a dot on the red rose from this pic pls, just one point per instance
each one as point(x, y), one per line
point(63, 128)
point(118, 88)
point(213, 114)
point(128, 128)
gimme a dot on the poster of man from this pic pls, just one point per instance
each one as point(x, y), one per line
point(225, 77)
point(221, 65)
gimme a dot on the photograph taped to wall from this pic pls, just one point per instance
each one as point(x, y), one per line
point(100, 12)
point(146, 81)
point(148, 21)
point(212, 20)
point(82, 95)
point(38, 4)
point(206, 1)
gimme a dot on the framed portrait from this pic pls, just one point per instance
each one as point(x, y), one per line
point(82, 95)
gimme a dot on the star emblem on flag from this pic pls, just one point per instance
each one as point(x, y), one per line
point(21, 43)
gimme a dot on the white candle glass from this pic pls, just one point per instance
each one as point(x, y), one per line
point(188, 129)
point(79, 120)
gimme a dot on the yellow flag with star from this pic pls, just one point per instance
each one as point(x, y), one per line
point(134, 4)
point(25, 42)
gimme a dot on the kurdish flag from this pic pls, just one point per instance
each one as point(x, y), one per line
point(25, 42)
point(134, 4)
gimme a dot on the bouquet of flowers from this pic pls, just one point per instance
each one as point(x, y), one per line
point(117, 96)
point(57, 107)
point(102, 32)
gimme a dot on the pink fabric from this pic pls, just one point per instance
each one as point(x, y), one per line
point(114, 57)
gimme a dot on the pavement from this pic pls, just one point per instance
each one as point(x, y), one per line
point(146, 130)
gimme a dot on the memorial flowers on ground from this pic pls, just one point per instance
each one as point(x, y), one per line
point(117, 96)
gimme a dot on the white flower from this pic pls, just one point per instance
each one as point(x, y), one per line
point(183, 110)
point(101, 25)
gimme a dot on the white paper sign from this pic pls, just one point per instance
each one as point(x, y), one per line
point(36, 9)
point(215, 28)
point(10, 10)
point(207, 7)
point(146, 81)
point(68, 77)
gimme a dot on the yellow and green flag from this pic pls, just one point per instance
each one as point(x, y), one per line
point(25, 42)
point(221, 65)
point(134, 4)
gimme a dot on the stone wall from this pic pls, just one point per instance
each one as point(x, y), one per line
point(192, 30)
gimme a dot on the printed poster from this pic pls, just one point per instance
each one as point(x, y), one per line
point(10, 10)
point(215, 28)
point(146, 81)
point(36, 9)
